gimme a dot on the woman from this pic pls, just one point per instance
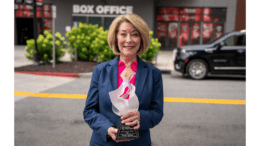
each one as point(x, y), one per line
point(128, 37)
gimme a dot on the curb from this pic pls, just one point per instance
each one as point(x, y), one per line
point(85, 75)
point(58, 74)
point(71, 75)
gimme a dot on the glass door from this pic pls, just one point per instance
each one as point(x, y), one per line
point(195, 33)
point(184, 34)
point(172, 34)
point(162, 31)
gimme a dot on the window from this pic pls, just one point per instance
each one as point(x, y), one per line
point(100, 21)
point(240, 40)
point(230, 41)
point(95, 20)
point(195, 25)
point(80, 19)
point(236, 40)
point(108, 21)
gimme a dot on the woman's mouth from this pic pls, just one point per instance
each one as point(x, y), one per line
point(129, 47)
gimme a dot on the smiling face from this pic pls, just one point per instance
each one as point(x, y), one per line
point(128, 39)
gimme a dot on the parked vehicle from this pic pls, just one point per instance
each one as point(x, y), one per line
point(224, 55)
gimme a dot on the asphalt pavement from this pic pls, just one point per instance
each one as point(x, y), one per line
point(59, 121)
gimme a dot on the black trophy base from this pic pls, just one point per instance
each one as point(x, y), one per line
point(126, 132)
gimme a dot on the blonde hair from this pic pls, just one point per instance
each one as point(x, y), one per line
point(138, 23)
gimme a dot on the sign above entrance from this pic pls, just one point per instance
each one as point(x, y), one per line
point(102, 9)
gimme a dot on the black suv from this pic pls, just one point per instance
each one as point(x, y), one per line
point(225, 55)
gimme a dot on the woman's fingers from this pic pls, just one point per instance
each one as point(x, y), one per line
point(112, 132)
point(131, 118)
point(127, 115)
point(137, 126)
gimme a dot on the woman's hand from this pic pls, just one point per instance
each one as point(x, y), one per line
point(131, 119)
point(112, 133)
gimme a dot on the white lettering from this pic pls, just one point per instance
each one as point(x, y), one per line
point(117, 10)
point(121, 10)
point(112, 9)
point(75, 8)
point(83, 9)
point(106, 9)
point(129, 9)
point(90, 9)
point(102, 9)
point(99, 9)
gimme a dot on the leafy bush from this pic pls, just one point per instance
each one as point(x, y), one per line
point(152, 50)
point(44, 47)
point(101, 45)
point(90, 42)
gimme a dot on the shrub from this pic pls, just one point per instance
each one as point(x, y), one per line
point(90, 42)
point(152, 50)
point(45, 47)
point(101, 45)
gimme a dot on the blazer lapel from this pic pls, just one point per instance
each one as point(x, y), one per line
point(112, 70)
point(141, 75)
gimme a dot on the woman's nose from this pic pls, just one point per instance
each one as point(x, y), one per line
point(128, 38)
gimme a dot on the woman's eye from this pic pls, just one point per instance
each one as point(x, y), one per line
point(123, 34)
point(135, 34)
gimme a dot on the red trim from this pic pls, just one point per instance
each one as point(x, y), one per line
point(60, 74)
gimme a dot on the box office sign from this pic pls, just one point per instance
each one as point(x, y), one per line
point(102, 9)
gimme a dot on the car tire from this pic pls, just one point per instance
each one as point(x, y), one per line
point(197, 69)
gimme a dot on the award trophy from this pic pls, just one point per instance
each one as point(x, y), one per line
point(121, 106)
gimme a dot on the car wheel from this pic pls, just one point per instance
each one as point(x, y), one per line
point(197, 69)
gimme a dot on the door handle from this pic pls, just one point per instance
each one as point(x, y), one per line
point(209, 50)
point(240, 51)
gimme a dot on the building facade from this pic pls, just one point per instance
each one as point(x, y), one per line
point(174, 22)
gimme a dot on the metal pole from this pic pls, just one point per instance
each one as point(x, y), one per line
point(76, 55)
point(36, 60)
point(53, 45)
point(53, 35)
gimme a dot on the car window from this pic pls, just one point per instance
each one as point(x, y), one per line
point(240, 40)
point(245, 40)
point(230, 41)
point(235, 40)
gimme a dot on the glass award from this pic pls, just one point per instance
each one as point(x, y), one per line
point(121, 106)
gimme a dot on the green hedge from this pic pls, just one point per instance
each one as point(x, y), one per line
point(90, 42)
point(45, 47)
point(152, 50)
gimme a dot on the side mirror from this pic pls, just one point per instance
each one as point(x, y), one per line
point(219, 45)
point(222, 44)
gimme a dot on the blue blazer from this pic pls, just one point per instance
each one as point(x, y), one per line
point(98, 110)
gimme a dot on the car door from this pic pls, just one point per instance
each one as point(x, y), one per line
point(241, 51)
point(231, 56)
